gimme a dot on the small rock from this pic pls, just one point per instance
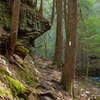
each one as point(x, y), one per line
point(18, 59)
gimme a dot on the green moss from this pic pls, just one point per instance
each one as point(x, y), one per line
point(9, 93)
point(3, 72)
point(4, 91)
point(21, 50)
point(70, 89)
point(20, 47)
point(27, 77)
point(82, 88)
point(68, 85)
point(18, 43)
point(16, 86)
point(1, 93)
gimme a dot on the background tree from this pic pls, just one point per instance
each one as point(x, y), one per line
point(88, 36)
point(53, 12)
point(35, 4)
point(65, 15)
point(14, 26)
point(59, 34)
point(10, 3)
point(71, 43)
point(41, 8)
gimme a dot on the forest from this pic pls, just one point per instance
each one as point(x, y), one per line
point(49, 50)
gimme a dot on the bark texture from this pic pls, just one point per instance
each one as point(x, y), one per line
point(59, 34)
point(65, 15)
point(71, 46)
point(14, 26)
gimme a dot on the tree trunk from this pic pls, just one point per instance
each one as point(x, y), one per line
point(65, 15)
point(35, 3)
point(53, 12)
point(45, 45)
point(71, 46)
point(4, 44)
point(10, 3)
point(59, 34)
point(41, 8)
point(14, 26)
point(87, 64)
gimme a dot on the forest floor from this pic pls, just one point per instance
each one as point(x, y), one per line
point(46, 85)
point(49, 82)
point(51, 89)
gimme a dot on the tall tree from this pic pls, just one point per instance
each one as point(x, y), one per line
point(59, 34)
point(10, 3)
point(71, 46)
point(41, 8)
point(65, 15)
point(14, 26)
point(53, 12)
point(35, 4)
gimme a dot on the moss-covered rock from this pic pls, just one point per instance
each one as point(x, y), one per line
point(21, 50)
point(3, 72)
point(31, 25)
point(17, 87)
point(26, 76)
point(13, 86)
point(4, 91)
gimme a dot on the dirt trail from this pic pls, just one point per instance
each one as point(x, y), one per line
point(51, 89)
point(49, 82)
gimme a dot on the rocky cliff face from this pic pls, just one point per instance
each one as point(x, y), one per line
point(31, 25)
point(19, 82)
